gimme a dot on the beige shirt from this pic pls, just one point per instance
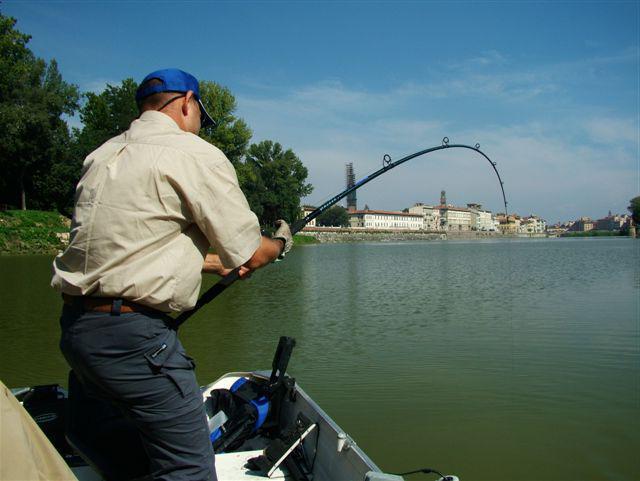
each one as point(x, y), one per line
point(148, 206)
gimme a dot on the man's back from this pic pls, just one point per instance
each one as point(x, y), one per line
point(149, 204)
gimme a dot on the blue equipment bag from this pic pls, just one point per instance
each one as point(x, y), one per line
point(250, 405)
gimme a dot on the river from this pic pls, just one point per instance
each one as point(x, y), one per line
point(494, 360)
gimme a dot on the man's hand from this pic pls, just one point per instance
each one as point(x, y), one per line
point(283, 233)
point(243, 272)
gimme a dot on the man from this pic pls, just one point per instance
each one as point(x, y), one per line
point(150, 203)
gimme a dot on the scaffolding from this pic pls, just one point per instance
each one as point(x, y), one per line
point(352, 201)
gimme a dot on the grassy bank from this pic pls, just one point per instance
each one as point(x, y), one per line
point(299, 240)
point(31, 232)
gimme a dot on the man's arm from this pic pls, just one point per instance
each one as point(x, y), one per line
point(267, 252)
point(213, 265)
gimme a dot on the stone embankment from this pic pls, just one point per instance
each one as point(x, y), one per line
point(335, 235)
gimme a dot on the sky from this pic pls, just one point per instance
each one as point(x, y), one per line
point(550, 90)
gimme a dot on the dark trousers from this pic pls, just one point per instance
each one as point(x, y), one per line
point(135, 362)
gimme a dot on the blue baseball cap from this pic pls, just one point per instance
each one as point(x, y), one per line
point(174, 80)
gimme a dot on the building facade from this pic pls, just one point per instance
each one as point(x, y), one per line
point(532, 225)
point(584, 224)
point(385, 220)
point(454, 218)
point(612, 222)
point(306, 210)
point(508, 224)
point(481, 220)
point(430, 216)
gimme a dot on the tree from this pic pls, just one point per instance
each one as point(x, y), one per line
point(33, 97)
point(335, 216)
point(105, 115)
point(634, 208)
point(229, 134)
point(275, 182)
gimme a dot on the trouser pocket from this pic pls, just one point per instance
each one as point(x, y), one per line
point(167, 357)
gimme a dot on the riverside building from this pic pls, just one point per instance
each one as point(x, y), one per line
point(532, 225)
point(430, 216)
point(454, 218)
point(481, 220)
point(385, 220)
point(306, 210)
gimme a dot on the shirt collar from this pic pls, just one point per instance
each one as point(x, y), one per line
point(155, 116)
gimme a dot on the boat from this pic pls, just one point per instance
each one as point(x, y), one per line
point(286, 436)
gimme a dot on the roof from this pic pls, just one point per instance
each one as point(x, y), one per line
point(384, 212)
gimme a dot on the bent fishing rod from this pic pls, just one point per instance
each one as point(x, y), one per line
point(387, 164)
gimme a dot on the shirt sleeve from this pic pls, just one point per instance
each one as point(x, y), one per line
point(221, 211)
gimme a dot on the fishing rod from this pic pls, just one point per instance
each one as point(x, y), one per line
point(387, 164)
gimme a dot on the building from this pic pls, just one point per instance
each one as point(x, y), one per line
point(385, 220)
point(611, 222)
point(508, 224)
point(532, 225)
point(481, 220)
point(352, 200)
point(454, 218)
point(583, 224)
point(306, 210)
point(430, 216)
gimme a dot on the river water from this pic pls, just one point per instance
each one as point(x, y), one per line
point(493, 360)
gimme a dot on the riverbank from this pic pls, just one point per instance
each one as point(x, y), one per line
point(333, 235)
point(33, 232)
point(594, 233)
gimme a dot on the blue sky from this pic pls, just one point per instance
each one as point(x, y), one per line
point(549, 89)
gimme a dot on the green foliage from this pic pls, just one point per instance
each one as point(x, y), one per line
point(634, 208)
point(335, 216)
point(275, 181)
point(33, 136)
point(105, 115)
point(230, 134)
point(31, 232)
point(299, 239)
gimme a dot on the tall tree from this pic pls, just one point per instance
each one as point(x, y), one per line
point(105, 115)
point(33, 97)
point(230, 134)
point(280, 181)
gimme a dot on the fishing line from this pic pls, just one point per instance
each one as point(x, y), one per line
point(387, 165)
